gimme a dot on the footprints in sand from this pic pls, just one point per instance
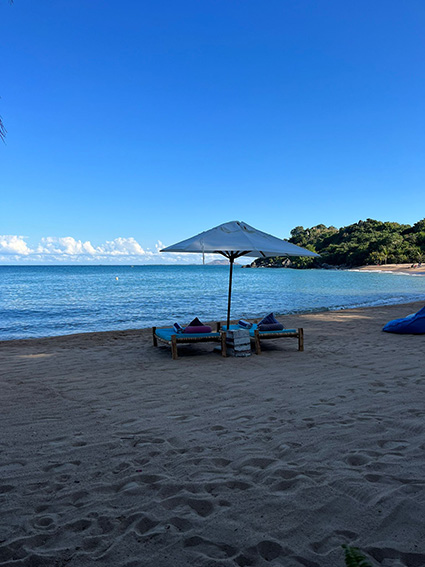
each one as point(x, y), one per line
point(145, 525)
point(209, 548)
point(44, 523)
point(268, 550)
point(182, 524)
point(256, 463)
point(333, 541)
point(11, 468)
point(230, 491)
point(393, 444)
point(60, 467)
point(202, 507)
point(237, 485)
point(357, 460)
point(391, 556)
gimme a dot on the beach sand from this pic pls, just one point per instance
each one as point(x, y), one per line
point(401, 268)
point(114, 454)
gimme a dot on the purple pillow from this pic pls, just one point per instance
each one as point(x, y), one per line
point(268, 320)
point(270, 327)
point(198, 329)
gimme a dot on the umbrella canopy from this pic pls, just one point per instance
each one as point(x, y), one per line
point(235, 239)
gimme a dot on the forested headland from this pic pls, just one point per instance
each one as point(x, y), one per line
point(368, 242)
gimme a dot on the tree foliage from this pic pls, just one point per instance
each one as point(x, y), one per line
point(363, 243)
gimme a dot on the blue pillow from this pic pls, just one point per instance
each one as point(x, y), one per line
point(269, 319)
point(196, 323)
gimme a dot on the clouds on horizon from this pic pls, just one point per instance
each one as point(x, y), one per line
point(12, 244)
point(69, 246)
point(14, 249)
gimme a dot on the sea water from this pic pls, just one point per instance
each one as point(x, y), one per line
point(41, 301)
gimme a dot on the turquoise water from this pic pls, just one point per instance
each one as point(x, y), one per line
point(42, 301)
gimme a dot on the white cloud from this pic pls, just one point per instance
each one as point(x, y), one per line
point(63, 245)
point(67, 249)
point(12, 244)
point(69, 246)
point(122, 246)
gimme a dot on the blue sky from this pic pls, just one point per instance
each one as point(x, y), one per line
point(136, 122)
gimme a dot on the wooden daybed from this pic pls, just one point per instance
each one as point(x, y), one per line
point(257, 336)
point(171, 338)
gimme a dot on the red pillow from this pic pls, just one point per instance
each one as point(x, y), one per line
point(270, 327)
point(196, 326)
point(197, 329)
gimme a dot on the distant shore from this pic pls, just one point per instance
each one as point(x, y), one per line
point(410, 269)
point(400, 268)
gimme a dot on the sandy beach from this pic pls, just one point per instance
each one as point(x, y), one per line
point(401, 268)
point(114, 454)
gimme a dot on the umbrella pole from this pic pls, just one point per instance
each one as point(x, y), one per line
point(231, 259)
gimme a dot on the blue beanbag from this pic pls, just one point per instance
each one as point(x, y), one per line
point(412, 324)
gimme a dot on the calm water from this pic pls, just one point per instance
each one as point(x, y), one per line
point(42, 301)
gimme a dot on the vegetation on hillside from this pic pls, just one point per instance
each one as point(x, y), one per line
point(363, 243)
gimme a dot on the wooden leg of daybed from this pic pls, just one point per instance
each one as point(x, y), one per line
point(300, 339)
point(257, 342)
point(174, 347)
point(223, 343)
point(155, 341)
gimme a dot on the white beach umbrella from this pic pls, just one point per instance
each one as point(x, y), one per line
point(235, 239)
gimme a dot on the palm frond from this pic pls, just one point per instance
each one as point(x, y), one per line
point(2, 131)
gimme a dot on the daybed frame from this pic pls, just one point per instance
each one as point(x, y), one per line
point(266, 335)
point(186, 338)
point(261, 335)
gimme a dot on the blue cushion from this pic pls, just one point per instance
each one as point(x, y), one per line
point(254, 326)
point(412, 324)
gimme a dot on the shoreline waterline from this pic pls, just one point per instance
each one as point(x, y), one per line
point(403, 269)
